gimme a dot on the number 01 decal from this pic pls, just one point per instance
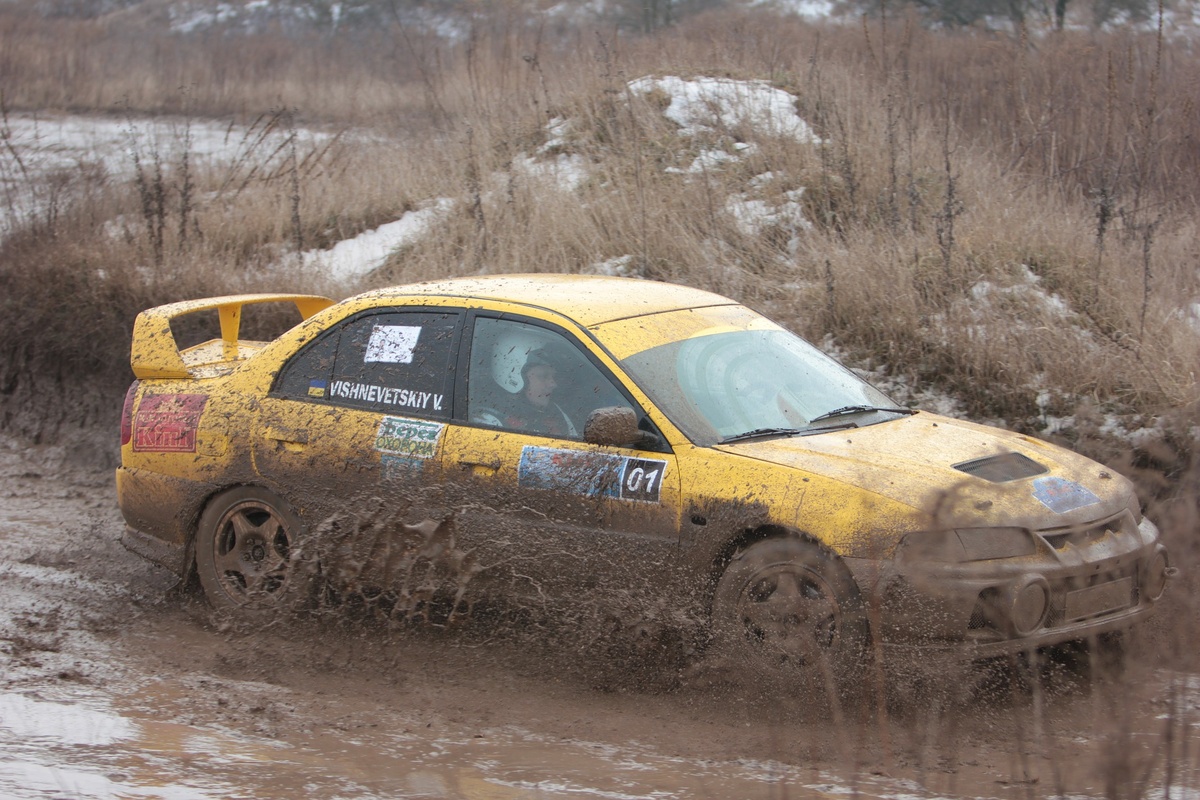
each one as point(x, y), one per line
point(591, 474)
point(641, 479)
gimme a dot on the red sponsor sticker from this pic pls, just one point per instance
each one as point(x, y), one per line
point(166, 423)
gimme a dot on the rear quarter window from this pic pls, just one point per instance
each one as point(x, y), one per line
point(398, 362)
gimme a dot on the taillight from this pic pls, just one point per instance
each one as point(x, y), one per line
point(127, 414)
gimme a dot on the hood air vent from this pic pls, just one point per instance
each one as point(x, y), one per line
point(1002, 468)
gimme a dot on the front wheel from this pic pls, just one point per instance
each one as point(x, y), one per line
point(791, 607)
point(248, 552)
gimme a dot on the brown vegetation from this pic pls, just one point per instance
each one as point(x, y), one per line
point(953, 166)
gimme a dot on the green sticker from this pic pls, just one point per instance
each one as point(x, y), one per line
point(413, 438)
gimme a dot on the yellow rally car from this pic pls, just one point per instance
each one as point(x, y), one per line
point(580, 440)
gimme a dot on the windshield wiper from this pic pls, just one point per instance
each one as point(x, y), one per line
point(758, 432)
point(837, 412)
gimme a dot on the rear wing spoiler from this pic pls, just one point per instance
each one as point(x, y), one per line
point(156, 354)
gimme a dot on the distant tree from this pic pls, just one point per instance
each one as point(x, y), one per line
point(961, 13)
point(1131, 10)
point(655, 14)
point(80, 8)
point(650, 15)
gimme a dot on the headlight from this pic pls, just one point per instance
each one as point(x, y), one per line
point(967, 544)
point(982, 544)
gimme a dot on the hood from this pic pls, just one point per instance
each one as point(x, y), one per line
point(963, 473)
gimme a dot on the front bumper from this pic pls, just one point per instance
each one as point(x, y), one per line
point(1090, 580)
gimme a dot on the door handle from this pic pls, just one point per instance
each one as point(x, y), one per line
point(286, 436)
point(492, 465)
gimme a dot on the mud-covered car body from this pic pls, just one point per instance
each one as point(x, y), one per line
point(699, 460)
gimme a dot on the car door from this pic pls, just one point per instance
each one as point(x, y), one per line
point(546, 512)
point(354, 421)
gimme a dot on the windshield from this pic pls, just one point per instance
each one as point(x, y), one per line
point(762, 381)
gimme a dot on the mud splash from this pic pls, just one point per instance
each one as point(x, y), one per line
point(111, 686)
point(369, 563)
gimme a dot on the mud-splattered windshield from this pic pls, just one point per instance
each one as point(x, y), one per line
point(733, 385)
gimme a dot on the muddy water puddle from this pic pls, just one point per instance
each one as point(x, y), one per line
point(81, 743)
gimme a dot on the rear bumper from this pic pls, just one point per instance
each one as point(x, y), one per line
point(170, 556)
point(160, 514)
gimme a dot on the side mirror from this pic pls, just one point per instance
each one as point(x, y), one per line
point(615, 426)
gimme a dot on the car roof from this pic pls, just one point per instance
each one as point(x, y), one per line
point(587, 299)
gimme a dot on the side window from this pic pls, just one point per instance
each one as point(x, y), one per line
point(306, 375)
point(525, 378)
point(398, 362)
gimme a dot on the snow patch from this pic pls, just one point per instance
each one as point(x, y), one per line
point(755, 216)
point(558, 129)
point(351, 259)
point(707, 160)
point(71, 152)
point(1026, 291)
point(619, 267)
point(809, 9)
point(579, 13)
point(708, 105)
point(565, 172)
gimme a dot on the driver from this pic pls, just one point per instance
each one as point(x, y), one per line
point(533, 409)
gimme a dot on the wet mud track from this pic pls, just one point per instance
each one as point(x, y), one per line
point(113, 686)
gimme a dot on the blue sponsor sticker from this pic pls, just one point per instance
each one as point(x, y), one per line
point(400, 466)
point(591, 474)
point(1061, 495)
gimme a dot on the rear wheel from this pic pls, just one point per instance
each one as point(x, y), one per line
point(248, 552)
point(791, 607)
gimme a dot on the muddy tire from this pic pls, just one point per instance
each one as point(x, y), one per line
point(792, 609)
point(248, 555)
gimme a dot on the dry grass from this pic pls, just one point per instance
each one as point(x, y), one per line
point(954, 166)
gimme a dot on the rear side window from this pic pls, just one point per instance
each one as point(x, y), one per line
point(397, 362)
point(306, 376)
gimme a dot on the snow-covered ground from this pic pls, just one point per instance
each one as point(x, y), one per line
point(43, 156)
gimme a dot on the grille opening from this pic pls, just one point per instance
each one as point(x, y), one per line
point(1120, 525)
point(1077, 537)
point(1002, 468)
point(981, 620)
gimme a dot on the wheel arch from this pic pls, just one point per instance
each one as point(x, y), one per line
point(750, 536)
point(265, 570)
point(190, 579)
